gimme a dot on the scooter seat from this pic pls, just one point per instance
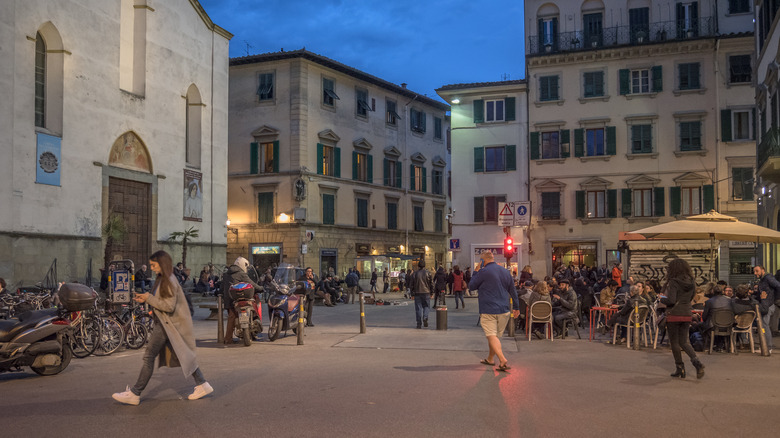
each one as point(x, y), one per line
point(11, 328)
point(292, 302)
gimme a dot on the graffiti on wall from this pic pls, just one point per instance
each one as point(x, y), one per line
point(651, 265)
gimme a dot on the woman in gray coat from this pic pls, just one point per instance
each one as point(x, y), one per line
point(172, 338)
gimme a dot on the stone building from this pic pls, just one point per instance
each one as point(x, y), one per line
point(109, 107)
point(331, 167)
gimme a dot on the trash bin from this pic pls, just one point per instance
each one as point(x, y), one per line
point(441, 318)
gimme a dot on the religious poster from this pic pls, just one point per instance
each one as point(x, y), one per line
point(49, 160)
point(193, 195)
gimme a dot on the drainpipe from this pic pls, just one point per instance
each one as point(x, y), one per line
point(211, 166)
point(408, 201)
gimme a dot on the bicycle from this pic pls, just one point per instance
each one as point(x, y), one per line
point(86, 332)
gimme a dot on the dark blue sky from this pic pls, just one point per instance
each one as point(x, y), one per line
point(425, 43)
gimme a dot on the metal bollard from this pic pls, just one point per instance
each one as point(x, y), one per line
point(301, 319)
point(511, 326)
point(636, 326)
point(220, 325)
point(362, 314)
point(441, 318)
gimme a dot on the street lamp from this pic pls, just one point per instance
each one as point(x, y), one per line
point(229, 228)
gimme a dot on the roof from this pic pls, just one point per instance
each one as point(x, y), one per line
point(335, 65)
point(481, 84)
point(207, 20)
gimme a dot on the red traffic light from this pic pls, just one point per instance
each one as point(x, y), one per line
point(509, 247)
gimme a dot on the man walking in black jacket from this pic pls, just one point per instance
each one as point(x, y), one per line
point(421, 285)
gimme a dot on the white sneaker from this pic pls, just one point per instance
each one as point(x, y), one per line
point(201, 391)
point(127, 397)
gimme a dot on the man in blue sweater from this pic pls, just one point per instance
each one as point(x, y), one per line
point(495, 287)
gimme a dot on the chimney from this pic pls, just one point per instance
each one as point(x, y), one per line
point(403, 84)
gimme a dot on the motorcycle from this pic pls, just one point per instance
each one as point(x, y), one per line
point(250, 314)
point(285, 305)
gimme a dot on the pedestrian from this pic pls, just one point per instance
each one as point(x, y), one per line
point(439, 287)
point(495, 286)
point(236, 273)
point(310, 285)
point(458, 286)
point(385, 281)
point(768, 292)
point(421, 285)
point(373, 284)
point(617, 274)
point(352, 285)
point(402, 282)
point(677, 295)
point(172, 337)
point(467, 279)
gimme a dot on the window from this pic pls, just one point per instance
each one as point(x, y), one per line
point(418, 178)
point(40, 81)
point(593, 84)
point(328, 209)
point(486, 208)
point(362, 212)
point(193, 125)
point(265, 208)
point(548, 88)
point(742, 183)
point(392, 173)
point(329, 96)
point(741, 125)
point(438, 220)
point(594, 141)
point(739, 6)
point(592, 26)
point(551, 147)
point(361, 105)
point(740, 70)
point(391, 116)
point(640, 81)
point(639, 23)
point(418, 217)
point(691, 200)
point(264, 157)
point(690, 136)
point(688, 74)
point(362, 167)
point(495, 158)
point(642, 202)
point(641, 139)
point(437, 128)
point(328, 160)
point(595, 204)
point(687, 20)
point(547, 31)
point(392, 215)
point(494, 110)
point(265, 91)
point(551, 205)
point(437, 182)
point(417, 121)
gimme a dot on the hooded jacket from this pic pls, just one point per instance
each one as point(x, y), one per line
point(679, 293)
point(440, 279)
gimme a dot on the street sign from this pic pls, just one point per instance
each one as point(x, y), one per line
point(522, 210)
point(120, 286)
point(506, 215)
point(454, 244)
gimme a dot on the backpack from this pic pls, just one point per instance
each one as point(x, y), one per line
point(697, 341)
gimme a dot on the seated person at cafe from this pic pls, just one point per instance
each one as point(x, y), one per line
point(608, 293)
point(564, 302)
point(742, 302)
point(622, 315)
point(700, 297)
point(541, 292)
point(717, 302)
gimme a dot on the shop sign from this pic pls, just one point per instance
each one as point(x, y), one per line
point(328, 253)
point(362, 248)
point(418, 249)
point(394, 249)
point(266, 249)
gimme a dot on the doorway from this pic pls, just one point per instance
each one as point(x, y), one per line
point(132, 201)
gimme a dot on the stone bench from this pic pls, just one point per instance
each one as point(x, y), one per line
point(213, 308)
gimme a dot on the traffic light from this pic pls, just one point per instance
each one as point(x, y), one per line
point(509, 247)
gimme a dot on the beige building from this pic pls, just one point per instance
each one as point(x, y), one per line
point(109, 106)
point(331, 167)
point(640, 112)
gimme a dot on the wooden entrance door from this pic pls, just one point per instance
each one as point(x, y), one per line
point(133, 201)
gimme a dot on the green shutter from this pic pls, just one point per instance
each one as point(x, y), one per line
point(253, 157)
point(265, 207)
point(509, 108)
point(386, 172)
point(624, 76)
point(398, 174)
point(479, 159)
point(658, 201)
point(565, 139)
point(479, 209)
point(337, 162)
point(579, 197)
point(276, 156)
point(579, 142)
point(754, 122)
point(725, 125)
point(612, 203)
point(708, 195)
point(328, 209)
point(657, 78)
point(675, 200)
point(411, 177)
point(533, 145)
point(319, 158)
point(511, 158)
point(695, 81)
point(370, 170)
point(354, 165)
point(625, 197)
point(611, 140)
point(424, 179)
point(696, 133)
point(747, 184)
point(479, 111)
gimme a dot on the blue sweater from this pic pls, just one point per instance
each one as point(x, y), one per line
point(495, 286)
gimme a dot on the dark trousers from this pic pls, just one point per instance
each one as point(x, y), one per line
point(309, 306)
point(438, 298)
point(680, 340)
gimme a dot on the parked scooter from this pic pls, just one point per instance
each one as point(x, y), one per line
point(285, 305)
point(250, 314)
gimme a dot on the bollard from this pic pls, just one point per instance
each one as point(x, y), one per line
point(220, 326)
point(301, 318)
point(441, 318)
point(511, 325)
point(362, 314)
point(636, 326)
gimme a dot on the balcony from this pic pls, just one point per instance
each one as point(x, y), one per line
point(768, 156)
point(658, 32)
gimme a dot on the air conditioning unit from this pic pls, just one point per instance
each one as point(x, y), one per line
point(299, 214)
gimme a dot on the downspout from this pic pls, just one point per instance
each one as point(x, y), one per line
point(211, 142)
point(406, 190)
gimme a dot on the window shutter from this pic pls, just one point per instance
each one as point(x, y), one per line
point(598, 87)
point(747, 184)
point(658, 201)
point(754, 122)
point(479, 209)
point(509, 108)
point(555, 89)
point(555, 33)
point(479, 159)
point(725, 125)
point(695, 77)
point(411, 177)
point(354, 165)
point(658, 78)
point(675, 200)
point(337, 162)
point(624, 80)
point(534, 145)
point(265, 207)
point(423, 118)
point(386, 172)
point(319, 158)
point(398, 174)
point(370, 170)
point(612, 203)
point(253, 157)
point(540, 35)
point(579, 197)
point(565, 143)
point(276, 156)
point(611, 140)
point(511, 159)
point(424, 179)
point(708, 197)
point(625, 197)
point(579, 142)
point(479, 111)
point(696, 134)
point(680, 20)
point(695, 17)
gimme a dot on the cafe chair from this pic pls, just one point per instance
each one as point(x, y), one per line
point(722, 325)
point(541, 312)
point(632, 318)
point(744, 324)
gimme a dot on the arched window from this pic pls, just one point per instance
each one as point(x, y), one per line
point(48, 87)
point(193, 134)
point(40, 81)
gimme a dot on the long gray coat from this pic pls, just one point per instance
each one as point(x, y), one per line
point(174, 316)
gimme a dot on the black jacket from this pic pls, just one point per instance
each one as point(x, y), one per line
point(679, 293)
point(421, 282)
point(440, 279)
point(770, 285)
point(715, 303)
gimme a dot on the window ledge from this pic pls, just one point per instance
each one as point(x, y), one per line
point(493, 123)
point(551, 221)
point(634, 219)
point(550, 161)
point(594, 99)
point(417, 133)
point(738, 84)
point(596, 158)
point(680, 92)
point(679, 153)
point(540, 103)
point(331, 108)
point(641, 155)
point(266, 102)
point(595, 220)
point(740, 141)
point(630, 96)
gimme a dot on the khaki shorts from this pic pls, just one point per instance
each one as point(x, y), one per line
point(493, 325)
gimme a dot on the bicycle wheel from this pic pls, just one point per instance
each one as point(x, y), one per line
point(136, 335)
point(86, 336)
point(111, 338)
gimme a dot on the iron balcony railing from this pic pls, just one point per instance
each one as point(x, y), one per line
point(769, 147)
point(621, 36)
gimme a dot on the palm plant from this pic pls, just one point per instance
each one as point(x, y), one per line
point(114, 231)
point(184, 237)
